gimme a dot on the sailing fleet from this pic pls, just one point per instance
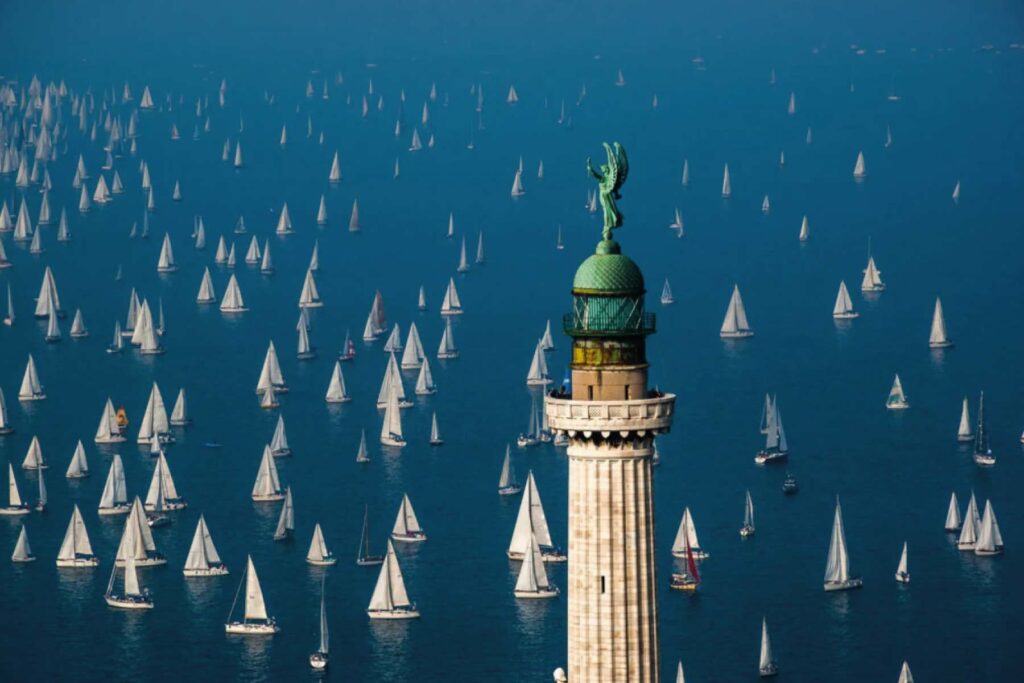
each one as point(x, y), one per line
point(111, 122)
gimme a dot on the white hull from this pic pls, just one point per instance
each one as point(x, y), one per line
point(983, 460)
point(15, 512)
point(155, 561)
point(318, 661)
point(768, 671)
point(897, 406)
point(940, 345)
point(111, 439)
point(449, 355)
point(849, 584)
point(548, 555)
point(408, 613)
point(965, 438)
point(123, 603)
point(326, 562)
point(33, 397)
point(902, 577)
point(417, 537)
point(735, 335)
point(697, 553)
point(244, 629)
point(122, 509)
point(168, 505)
point(510, 490)
point(988, 553)
point(845, 316)
point(212, 571)
point(540, 593)
point(270, 498)
point(347, 399)
point(79, 563)
point(391, 441)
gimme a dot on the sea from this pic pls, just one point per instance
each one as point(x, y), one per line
point(953, 115)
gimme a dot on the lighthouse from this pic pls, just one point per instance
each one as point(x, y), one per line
point(611, 417)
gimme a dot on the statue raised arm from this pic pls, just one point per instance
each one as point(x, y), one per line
point(610, 179)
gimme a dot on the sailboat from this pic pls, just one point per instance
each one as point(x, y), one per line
point(902, 572)
point(365, 558)
point(689, 578)
point(837, 570)
point(956, 192)
point(279, 441)
point(132, 596)
point(766, 206)
point(953, 514)
point(971, 526)
point(776, 448)
point(666, 295)
point(162, 491)
point(766, 665)
point(435, 432)
point(533, 582)
point(305, 350)
point(318, 553)
point(532, 522)
point(5, 424)
point(686, 537)
point(155, 423)
point(9, 318)
point(206, 295)
point(203, 559)
point(78, 468)
point(255, 620)
point(805, 230)
point(114, 500)
point(507, 485)
point(233, 301)
point(267, 487)
point(319, 659)
point(872, 281)
point(451, 304)
point(271, 378)
point(166, 262)
point(532, 435)
point(860, 169)
point(334, 176)
point(336, 389)
point(310, 296)
point(964, 433)
point(517, 185)
point(390, 599)
point(286, 521)
point(748, 518)
point(15, 505)
point(179, 414)
point(137, 542)
point(76, 550)
point(361, 455)
point(843, 309)
point(735, 325)
point(726, 183)
point(938, 339)
point(34, 456)
point(348, 348)
point(897, 399)
point(446, 349)
point(982, 451)
point(463, 266)
point(905, 675)
point(391, 427)
point(990, 540)
point(538, 373)
point(559, 244)
point(407, 527)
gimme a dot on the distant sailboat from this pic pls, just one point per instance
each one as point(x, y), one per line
point(507, 485)
point(15, 505)
point(726, 183)
point(902, 571)
point(538, 372)
point(938, 339)
point(533, 582)
point(990, 540)
point(686, 536)
point(953, 515)
point(137, 540)
point(859, 168)
point(76, 550)
point(843, 309)
point(447, 349)
point(517, 185)
point(766, 206)
point(735, 325)
point(666, 295)
point(31, 388)
point(336, 392)
point(805, 230)
point(267, 487)
point(766, 665)
point(361, 454)
point(319, 659)
point(872, 281)
point(971, 526)
point(531, 522)
point(132, 595)
point(255, 620)
point(905, 675)
point(163, 494)
point(964, 433)
point(203, 559)
point(451, 304)
point(897, 399)
point(956, 192)
point(982, 451)
point(837, 569)
point(688, 579)
point(435, 432)
point(286, 520)
point(748, 517)
point(390, 599)
point(407, 527)
point(364, 557)
point(233, 301)
point(391, 427)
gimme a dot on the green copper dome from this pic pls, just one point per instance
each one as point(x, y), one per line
point(608, 271)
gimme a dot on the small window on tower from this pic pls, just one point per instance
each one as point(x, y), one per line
point(590, 392)
point(602, 584)
point(627, 392)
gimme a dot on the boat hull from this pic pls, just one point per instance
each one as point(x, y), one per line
point(903, 577)
point(768, 671)
point(510, 490)
point(326, 562)
point(251, 629)
point(746, 531)
point(984, 460)
point(735, 335)
point(988, 553)
point(370, 561)
point(769, 457)
point(15, 511)
point(391, 441)
point(122, 509)
point(539, 594)
point(408, 613)
point(940, 345)
point(269, 498)
point(220, 570)
point(318, 661)
point(141, 602)
point(697, 554)
point(849, 584)
point(418, 537)
point(154, 561)
point(79, 563)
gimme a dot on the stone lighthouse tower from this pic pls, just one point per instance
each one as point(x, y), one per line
point(610, 417)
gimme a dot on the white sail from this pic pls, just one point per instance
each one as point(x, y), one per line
point(425, 380)
point(155, 422)
point(872, 281)
point(938, 338)
point(735, 324)
point(413, 355)
point(336, 389)
point(897, 399)
point(392, 380)
point(451, 304)
point(971, 527)
point(953, 514)
point(533, 577)
point(253, 254)
point(447, 348)
point(538, 372)
point(905, 675)
point(310, 296)
point(267, 485)
point(255, 606)
point(335, 174)
point(161, 487)
point(508, 477)
point(547, 342)
point(179, 415)
point(389, 592)
point(5, 425)
point(406, 522)
point(837, 569)
point(805, 230)
point(687, 531)
point(964, 433)
point(286, 520)
point(31, 389)
point(318, 551)
point(517, 185)
point(990, 541)
point(166, 262)
point(279, 442)
point(206, 295)
point(34, 456)
point(233, 301)
point(13, 495)
point(202, 554)
point(902, 570)
point(137, 539)
point(115, 490)
point(284, 221)
point(76, 540)
point(726, 183)
point(859, 168)
point(767, 661)
point(843, 309)
point(78, 468)
point(531, 521)
point(271, 376)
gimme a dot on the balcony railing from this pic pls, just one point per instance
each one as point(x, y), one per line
point(592, 324)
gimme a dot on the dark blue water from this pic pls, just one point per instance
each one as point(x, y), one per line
point(957, 118)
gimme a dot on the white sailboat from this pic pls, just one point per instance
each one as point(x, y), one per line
point(362, 456)
point(132, 595)
point(964, 433)
point(334, 176)
point(837, 569)
point(271, 378)
point(538, 372)
point(233, 301)
point(982, 451)
point(336, 392)
point(766, 665)
point(267, 487)
point(971, 527)
point(902, 571)
point(425, 380)
point(766, 205)
point(872, 281)
point(22, 549)
point(15, 505)
point(413, 354)
point(447, 349)
point(517, 185)
point(76, 550)
point(318, 553)
point(805, 230)
point(78, 468)
point(735, 325)
point(435, 432)
point(203, 559)
point(166, 262)
point(421, 300)
point(31, 388)
point(905, 675)
point(956, 192)
point(391, 427)
point(897, 399)
point(953, 514)
point(162, 494)
point(687, 532)
point(5, 424)
point(137, 540)
point(990, 540)
point(666, 295)
point(748, 527)
point(532, 522)
point(547, 342)
point(843, 309)
point(451, 304)
point(34, 456)
point(286, 520)
point(206, 295)
point(507, 485)
point(179, 414)
point(390, 599)
point(279, 441)
point(284, 221)
point(319, 659)
point(255, 620)
point(938, 339)
point(463, 266)
point(726, 183)
point(860, 170)
point(533, 582)
point(114, 500)
point(310, 296)
point(407, 527)
point(155, 423)
point(305, 350)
